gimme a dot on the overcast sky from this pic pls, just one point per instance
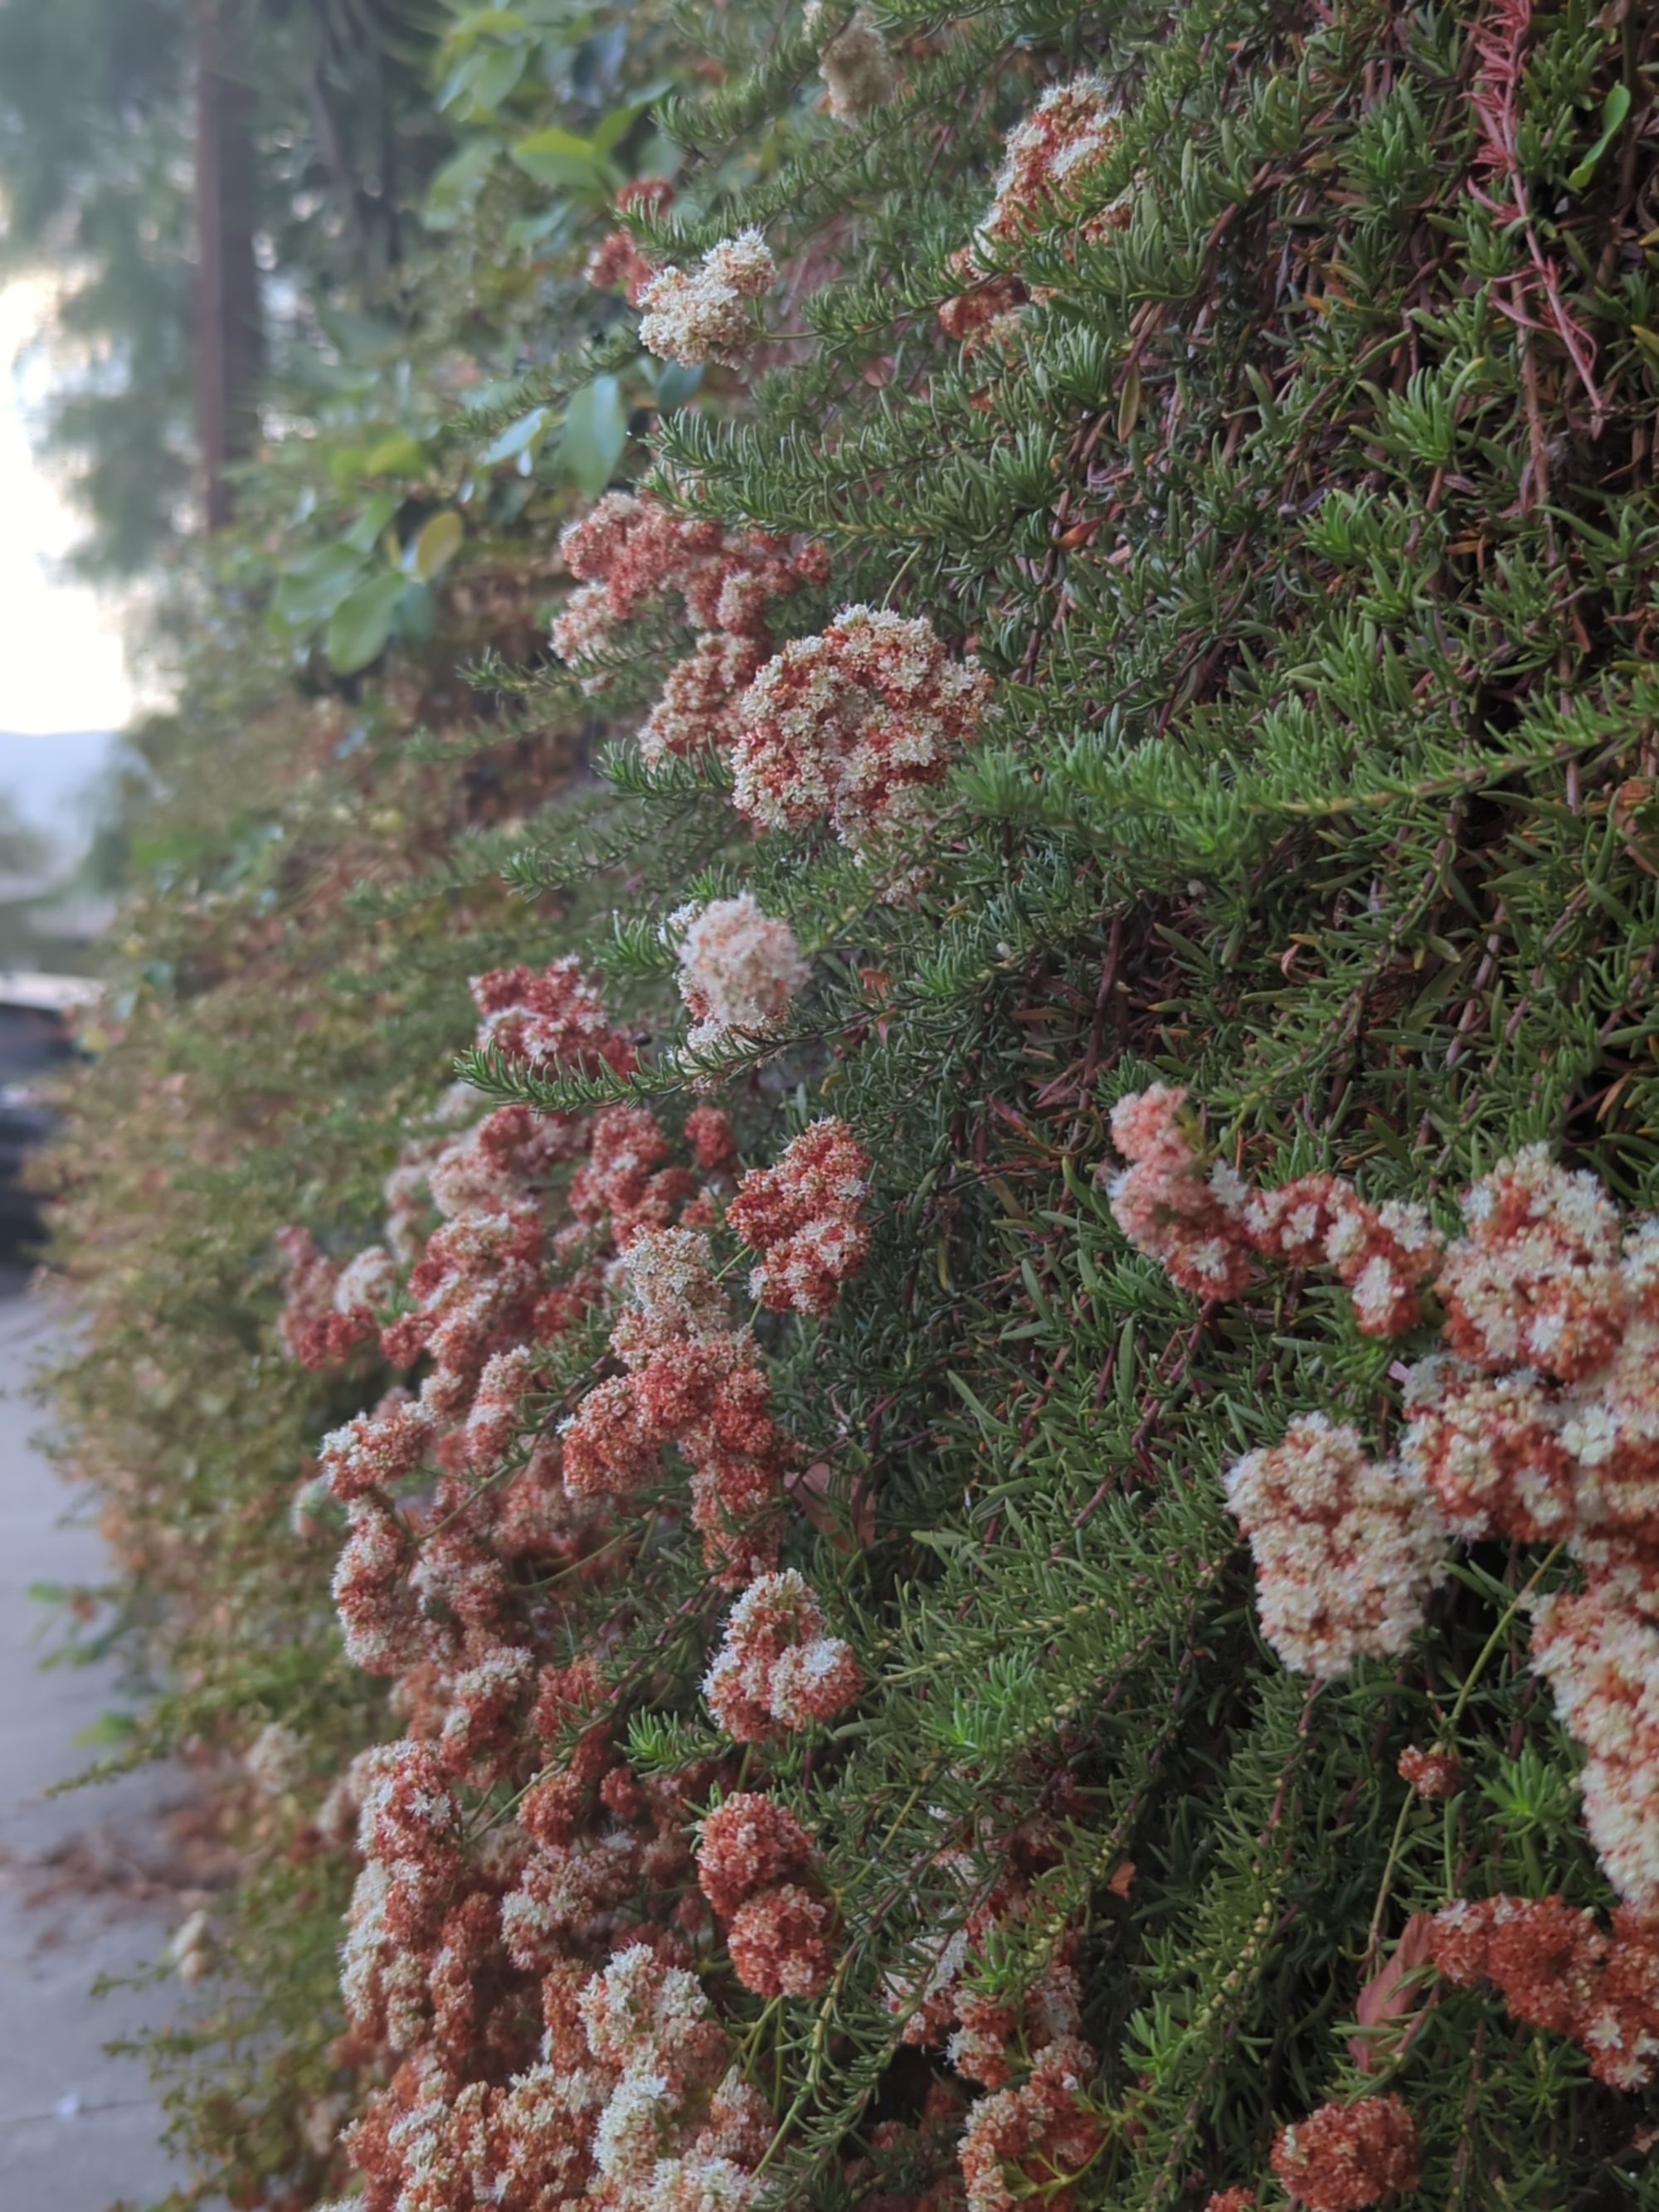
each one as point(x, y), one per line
point(61, 667)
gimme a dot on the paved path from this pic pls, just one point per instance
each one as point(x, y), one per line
point(78, 2129)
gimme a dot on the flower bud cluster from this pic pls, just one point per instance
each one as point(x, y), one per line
point(1557, 1970)
point(756, 1866)
point(630, 553)
point(776, 1670)
point(703, 314)
point(805, 1216)
point(851, 726)
point(1345, 2157)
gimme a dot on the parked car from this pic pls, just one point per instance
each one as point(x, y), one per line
point(36, 1038)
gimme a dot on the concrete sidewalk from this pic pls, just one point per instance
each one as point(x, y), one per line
point(79, 1892)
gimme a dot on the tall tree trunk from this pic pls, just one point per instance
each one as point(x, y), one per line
point(229, 341)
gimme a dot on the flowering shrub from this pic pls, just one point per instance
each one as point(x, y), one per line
point(838, 1657)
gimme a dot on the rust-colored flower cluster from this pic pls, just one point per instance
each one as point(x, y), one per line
point(776, 1669)
point(628, 553)
point(617, 265)
point(1557, 1970)
point(852, 726)
point(805, 1217)
point(1345, 2157)
point(1040, 2138)
point(693, 1381)
point(756, 1866)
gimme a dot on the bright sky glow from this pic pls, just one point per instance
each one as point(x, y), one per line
point(62, 664)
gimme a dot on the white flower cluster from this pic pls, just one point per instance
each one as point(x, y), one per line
point(739, 967)
point(1347, 1547)
point(702, 314)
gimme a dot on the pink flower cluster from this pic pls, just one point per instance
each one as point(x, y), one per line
point(1539, 1424)
point(327, 1310)
point(520, 1989)
point(1049, 159)
point(552, 1018)
point(805, 1217)
point(704, 314)
point(776, 1670)
point(1346, 1548)
point(617, 263)
point(739, 967)
point(1037, 2140)
point(1208, 1230)
point(852, 725)
point(627, 553)
point(756, 1865)
point(1345, 2157)
point(694, 1382)
point(1558, 1971)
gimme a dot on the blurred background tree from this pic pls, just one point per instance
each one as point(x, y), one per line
point(202, 178)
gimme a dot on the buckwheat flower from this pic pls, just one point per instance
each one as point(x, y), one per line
point(1019, 2141)
point(1433, 1773)
point(740, 969)
point(1601, 1659)
point(1345, 2157)
point(703, 315)
point(698, 707)
point(853, 62)
point(1232, 2200)
point(1490, 1447)
point(852, 725)
point(1170, 1203)
point(673, 1296)
point(275, 1762)
point(1558, 1971)
point(776, 1670)
point(805, 1217)
point(781, 1942)
point(1536, 1278)
point(749, 1843)
point(1346, 1548)
point(1073, 129)
point(640, 2007)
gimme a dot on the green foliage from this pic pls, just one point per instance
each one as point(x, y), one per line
point(1306, 519)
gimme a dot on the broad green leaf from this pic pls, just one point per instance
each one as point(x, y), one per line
point(313, 587)
point(1614, 109)
point(399, 455)
point(415, 617)
point(377, 513)
point(455, 186)
point(560, 157)
point(486, 23)
point(612, 129)
point(676, 383)
point(517, 438)
point(595, 432)
point(362, 622)
point(438, 542)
